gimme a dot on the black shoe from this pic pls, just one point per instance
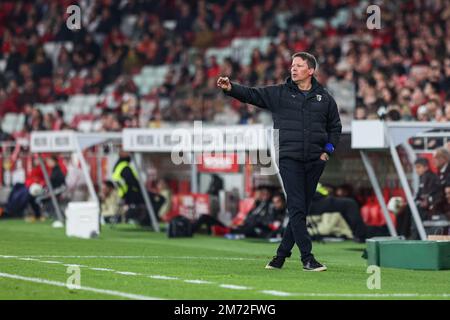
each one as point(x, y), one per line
point(313, 265)
point(276, 263)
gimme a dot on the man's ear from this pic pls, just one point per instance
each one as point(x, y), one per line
point(310, 71)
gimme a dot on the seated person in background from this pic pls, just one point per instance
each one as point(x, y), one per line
point(429, 192)
point(441, 158)
point(164, 191)
point(35, 185)
point(427, 199)
point(266, 217)
point(277, 214)
point(262, 202)
point(57, 172)
point(57, 175)
point(446, 208)
point(109, 201)
point(349, 209)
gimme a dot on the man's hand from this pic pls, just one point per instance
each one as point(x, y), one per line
point(324, 156)
point(224, 83)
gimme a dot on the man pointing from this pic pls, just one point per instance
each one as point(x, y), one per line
point(309, 127)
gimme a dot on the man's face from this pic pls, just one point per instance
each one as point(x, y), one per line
point(300, 70)
point(360, 113)
point(420, 169)
point(447, 111)
point(278, 203)
point(265, 195)
point(50, 162)
point(439, 161)
point(447, 194)
point(123, 154)
point(106, 190)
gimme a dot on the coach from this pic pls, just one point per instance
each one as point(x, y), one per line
point(309, 129)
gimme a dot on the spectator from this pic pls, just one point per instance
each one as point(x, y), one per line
point(125, 177)
point(263, 221)
point(427, 199)
point(446, 208)
point(35, 185)
point(75, 180)
point(429, 192)
point(442, 161)
point(216, 185)
point(57, 172)
point(109, 202)
point(345, 204)
point(399, 68)
point(128, 188)
point(164, 191)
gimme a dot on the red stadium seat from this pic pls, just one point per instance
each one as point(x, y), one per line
point(372, 214)
point(245, 206)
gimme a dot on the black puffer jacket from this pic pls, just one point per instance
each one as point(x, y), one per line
point(306, 124)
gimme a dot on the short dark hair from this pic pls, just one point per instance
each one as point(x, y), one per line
point(279, 195)
point(308, 57)
point(422, 161)
point(109, 184)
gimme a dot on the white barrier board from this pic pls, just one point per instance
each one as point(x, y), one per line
point(82, 220)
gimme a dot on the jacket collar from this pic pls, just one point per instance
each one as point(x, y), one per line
point(315, 85)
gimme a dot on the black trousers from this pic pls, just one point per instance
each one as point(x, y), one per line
point(34, 205)
point(300, 182)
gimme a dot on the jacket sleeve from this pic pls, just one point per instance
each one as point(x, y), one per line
point(262, 97)
point(334, 126)
point(433, 190)
point(130, 179)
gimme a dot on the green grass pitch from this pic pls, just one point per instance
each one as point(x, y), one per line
point(129, 262)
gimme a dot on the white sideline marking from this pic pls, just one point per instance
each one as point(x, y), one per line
point(163, 277)
point(277, 293)
point(62, 284)
point(50, 262)
point(198, 281)
point(74, 265)
point(232, 286)
point(140, 257)
point(374, 295)
point(101, 269)
point(126, 273)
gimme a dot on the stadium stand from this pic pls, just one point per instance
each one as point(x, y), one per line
point(399, 72)
point(153, 64)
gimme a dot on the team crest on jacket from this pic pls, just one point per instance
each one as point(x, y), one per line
point(319, 97)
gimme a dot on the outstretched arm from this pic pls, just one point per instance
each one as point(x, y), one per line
point(263, 97)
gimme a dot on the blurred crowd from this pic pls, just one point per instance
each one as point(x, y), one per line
point(399, 72)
